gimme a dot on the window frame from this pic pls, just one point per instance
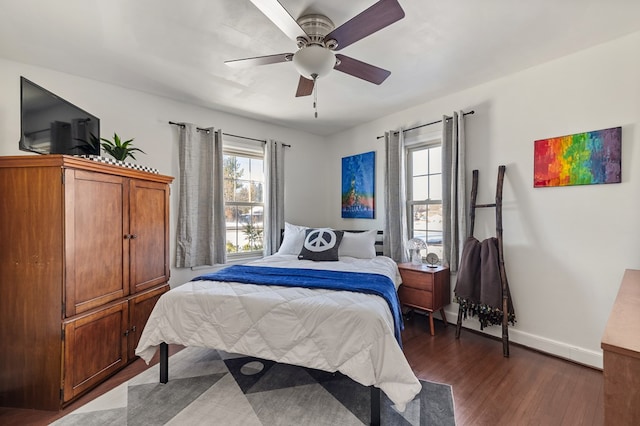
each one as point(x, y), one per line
point(248, 154)
point(410, 150)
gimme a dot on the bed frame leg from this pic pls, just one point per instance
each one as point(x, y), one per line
point(375, 406)
point(164, 362)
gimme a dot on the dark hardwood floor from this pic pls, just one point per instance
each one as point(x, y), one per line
point(528, 388)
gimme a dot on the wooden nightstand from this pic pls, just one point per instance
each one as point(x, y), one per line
point(425, 288)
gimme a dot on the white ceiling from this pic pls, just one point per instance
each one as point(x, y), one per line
point(177, 49)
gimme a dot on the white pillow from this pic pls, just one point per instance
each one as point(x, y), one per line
point(293, 239)
point(359, 244)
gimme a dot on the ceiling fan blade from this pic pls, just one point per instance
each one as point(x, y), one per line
point(273, 10)
point(305, 87)
point(361, 69)
point(378, 16)
point(259, 60)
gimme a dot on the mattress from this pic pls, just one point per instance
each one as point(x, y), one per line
point(329, 330)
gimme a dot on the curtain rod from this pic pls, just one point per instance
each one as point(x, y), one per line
point(428, 124)
point(229, 134)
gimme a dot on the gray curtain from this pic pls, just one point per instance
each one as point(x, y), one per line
point(274, 202)
point(395, 226)
point(201, 236)
point(454, 194)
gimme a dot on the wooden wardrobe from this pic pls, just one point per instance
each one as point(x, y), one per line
point(84, 256)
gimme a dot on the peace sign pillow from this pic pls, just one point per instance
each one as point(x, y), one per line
point(321, 244)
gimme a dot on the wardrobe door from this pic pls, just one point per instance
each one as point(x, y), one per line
point(95, 347)
point(140, 307)
point(96, 247)
point(149, 234)
point(31, 274)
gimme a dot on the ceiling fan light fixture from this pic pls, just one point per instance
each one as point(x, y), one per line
point(314, 61)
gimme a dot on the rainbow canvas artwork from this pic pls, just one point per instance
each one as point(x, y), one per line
point(580, 159)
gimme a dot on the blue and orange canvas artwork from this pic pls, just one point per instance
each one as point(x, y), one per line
point(580, 159)
point(358, 186)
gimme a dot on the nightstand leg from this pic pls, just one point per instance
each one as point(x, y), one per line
point(431, 323)
point(444, 317)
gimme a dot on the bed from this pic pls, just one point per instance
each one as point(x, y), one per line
point(320, 326)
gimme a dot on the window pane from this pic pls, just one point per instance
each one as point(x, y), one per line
point(242, 191)
point(229, 189)
point(253, 231)
point(257, 217)
point(229, 162)
point(420, 162)
point(434, 238)
point(419, 221)
point(435, 187)
point(244, 220)
point(242, 170)
point(257, 169)
point(435, 160)
point(244, 215)
point(434, 218)
point(420, 188)
point(419, 212)
point(427, 224)
point(231, 217)
point(229, 167)
point(256, 192)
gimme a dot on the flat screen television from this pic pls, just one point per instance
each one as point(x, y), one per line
point(52, 125)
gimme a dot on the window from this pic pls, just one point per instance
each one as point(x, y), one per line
point(424, 194)
point(244, 203)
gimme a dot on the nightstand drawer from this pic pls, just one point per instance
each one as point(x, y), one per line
point(416, 298)
point(425, 287)
point(417, 279)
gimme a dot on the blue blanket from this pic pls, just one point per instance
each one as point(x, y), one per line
point(360, 282)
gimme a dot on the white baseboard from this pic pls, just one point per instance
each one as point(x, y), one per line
point(552, 347)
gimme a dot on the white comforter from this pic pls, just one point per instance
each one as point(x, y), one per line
point(324, 329)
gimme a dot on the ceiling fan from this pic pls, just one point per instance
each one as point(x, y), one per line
point(317, 39)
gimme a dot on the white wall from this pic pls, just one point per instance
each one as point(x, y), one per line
point(138, 115)
point(565, 248)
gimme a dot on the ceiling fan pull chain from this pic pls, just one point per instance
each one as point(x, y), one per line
point(315, 94)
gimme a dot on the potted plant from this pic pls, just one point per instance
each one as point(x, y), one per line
point(118, 149)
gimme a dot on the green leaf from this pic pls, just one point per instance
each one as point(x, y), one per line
point(118, 149)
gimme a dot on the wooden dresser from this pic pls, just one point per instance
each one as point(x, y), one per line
point(426, 288)
point(621, 353)
point(84, 258)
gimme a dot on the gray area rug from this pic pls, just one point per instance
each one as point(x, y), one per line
point(209, 387)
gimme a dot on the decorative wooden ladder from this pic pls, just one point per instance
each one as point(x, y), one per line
point(503, 275)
